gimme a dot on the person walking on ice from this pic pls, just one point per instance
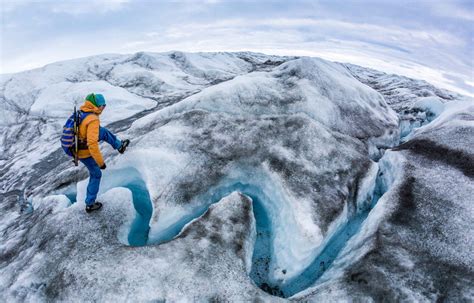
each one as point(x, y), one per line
point(90, 133)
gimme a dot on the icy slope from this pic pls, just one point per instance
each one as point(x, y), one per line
point(255, 130)
point(34, 104)
point(400, 92)
point(76, 257)
point(301, 141)
point(417, 243)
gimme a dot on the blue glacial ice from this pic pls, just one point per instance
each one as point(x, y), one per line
point(131, 179)
point(269, 212)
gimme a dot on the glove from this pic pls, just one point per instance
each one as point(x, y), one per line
point(103, 166)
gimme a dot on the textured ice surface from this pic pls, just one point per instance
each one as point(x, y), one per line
point(255, 129)
point(73, 256)
point(298, 136)
point(417, 243)
point(401, 92)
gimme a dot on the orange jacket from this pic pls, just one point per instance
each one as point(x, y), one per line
point(89, 131)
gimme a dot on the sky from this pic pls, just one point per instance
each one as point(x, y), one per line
point(429, 39)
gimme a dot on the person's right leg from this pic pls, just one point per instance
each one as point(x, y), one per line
point(107, 136)
point(94, 179)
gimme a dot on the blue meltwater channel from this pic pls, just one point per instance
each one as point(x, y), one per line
point(129, 178)
point(138, 235)
point(263, 249)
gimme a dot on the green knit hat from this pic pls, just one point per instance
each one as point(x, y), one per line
point(96, 99)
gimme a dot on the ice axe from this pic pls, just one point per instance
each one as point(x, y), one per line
point(76, 137)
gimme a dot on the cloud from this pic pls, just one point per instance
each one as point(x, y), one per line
point(8, 6)
point(414, 40)
point(419, 53)
point(453, 10)
point(88, 6)
point(73, 7)
point(470, 83)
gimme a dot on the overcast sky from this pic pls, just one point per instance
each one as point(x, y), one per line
point(431, 39)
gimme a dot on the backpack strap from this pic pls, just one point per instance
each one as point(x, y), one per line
point(82, 115)
point(82, 144)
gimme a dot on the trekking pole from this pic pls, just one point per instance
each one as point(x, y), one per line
point(76, 135)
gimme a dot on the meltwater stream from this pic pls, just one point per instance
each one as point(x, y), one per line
point(334, 245)
point(138, 235)
point(263, 246)
point(128, 178)
point(263, 249)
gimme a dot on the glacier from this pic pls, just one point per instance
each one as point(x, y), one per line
point(250, 177)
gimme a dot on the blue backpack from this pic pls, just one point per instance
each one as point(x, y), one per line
point(69, 137)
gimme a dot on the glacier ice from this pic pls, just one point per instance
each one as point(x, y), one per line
point(68, 255)
point(419, 229)
point(421, 113)
point(308, 145)
point(130, 178)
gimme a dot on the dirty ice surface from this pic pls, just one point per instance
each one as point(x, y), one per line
point(249, 176)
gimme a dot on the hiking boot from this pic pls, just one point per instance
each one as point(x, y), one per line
point(124, 145)
point(95, 206)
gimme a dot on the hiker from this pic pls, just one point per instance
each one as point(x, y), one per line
point(90, 134)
